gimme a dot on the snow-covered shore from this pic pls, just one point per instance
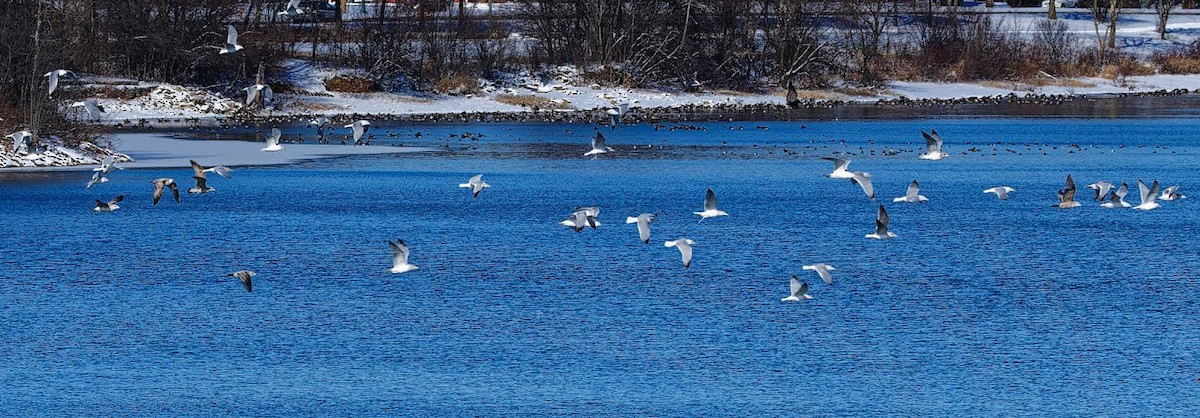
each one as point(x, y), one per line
point(162, 151)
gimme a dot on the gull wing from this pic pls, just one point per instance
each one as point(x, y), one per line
point(933, 141)
point(797, 290)
point(273, 139)
point(685, 250)
point(710, 200)
point(197, 168)
point(864, 180)
point(399, 252)
point(158, 190)
point(643, 225)
point(838, 163)
point(823, 271)
point(201, 182)
point(913, 190)
point(598, 141)
point(174, 190)
point(882, 221)
point(230, 35)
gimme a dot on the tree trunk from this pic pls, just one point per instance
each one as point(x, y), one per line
point(1053, 11)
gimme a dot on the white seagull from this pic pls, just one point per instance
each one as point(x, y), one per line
point(841, 168)
point(685, 249)
point(643, 225)
point(799, 291)
point(231, 44)
point(54, 76)
point(912, 196)
point(292, 9)
point(863, 179)
point(1171, 193)
point(1001, 191)
point(476, 184)
point(1149, 194)
point(165, 183)
point(246, 277)
point(20, 141)
point(616, 113)
point(1101, 188)
point(400, 257)
point(822, 270)
point(598, 146)
point(94, 110)
point(881, 226)
point(273, 141)
point(1116, 198)
point(933, 145)
point(1066, 196)
point(582, 217)
point(710, 207)
point(360, 128)
point(108, 206)
point(100, 174)
point(253, 91)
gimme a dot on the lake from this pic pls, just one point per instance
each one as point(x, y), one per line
point(980, 307)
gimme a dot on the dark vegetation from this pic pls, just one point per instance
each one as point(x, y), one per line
point(434, 45)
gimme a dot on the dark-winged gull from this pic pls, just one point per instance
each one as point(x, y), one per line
point(881, 226)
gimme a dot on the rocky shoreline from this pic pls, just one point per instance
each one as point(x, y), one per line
point(695, 112)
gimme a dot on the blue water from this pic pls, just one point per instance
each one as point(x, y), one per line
point(979, 308)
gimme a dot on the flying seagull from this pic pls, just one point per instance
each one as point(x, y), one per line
point(799, 291)
point(822, 270)
point(912, 196)
point(245, 276)
point(360, 128)
point(1116, 198)
point(933, 145)
point(616, 113)
point(292, 9)
point(582, 217)
point(841, 168)
point(20, 141)
point(685, 249)
point(643, 225)
point(253, 91)
point(881, 226)
point(1171, 193)
point(231, 44)
point(160, 184)
point(476, 184)
point(202, 179)
point(1066, 196)
point(1101, 188)
point(598, 146)
point(94, 110)
point(1149, 194)
point(400, 257)
point(863, 179)
point(100, 174)
point(1001, 191)
point(54, 76)
point(108, 206)
point(710, 207)
point(273, 141)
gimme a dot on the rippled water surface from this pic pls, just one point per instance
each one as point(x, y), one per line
point(979, 308)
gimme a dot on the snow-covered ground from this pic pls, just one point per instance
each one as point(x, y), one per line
point(162, 151)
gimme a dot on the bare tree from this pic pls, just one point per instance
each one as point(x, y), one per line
point(870, 19)
point(1163, 7)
